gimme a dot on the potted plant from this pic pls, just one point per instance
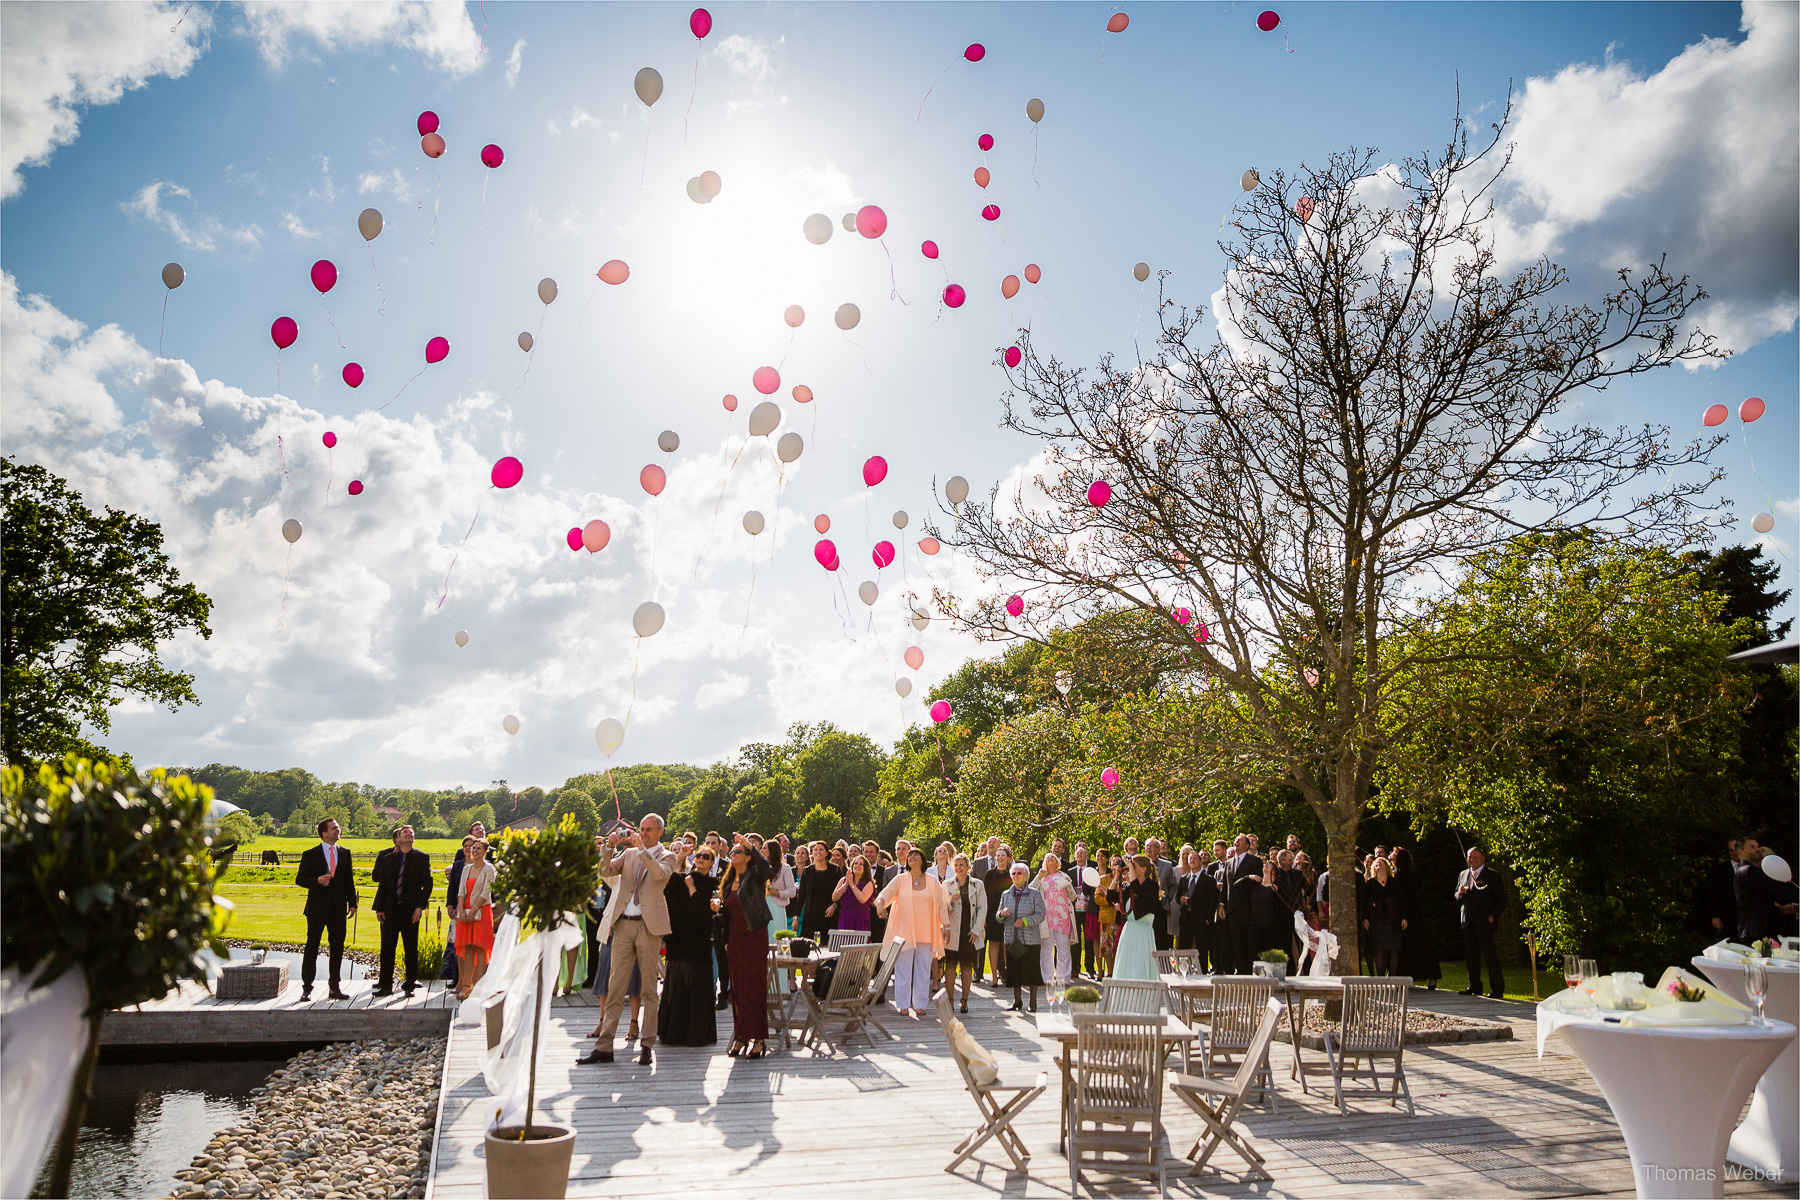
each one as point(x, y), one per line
point(544, 877)
point(259, 953)
point(1273, 963)
point(1082, 999)
point(784, 935)
point(105, 871)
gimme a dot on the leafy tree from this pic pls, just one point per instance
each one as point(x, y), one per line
point(527, 803)
point(304, 821)
point(468, 816)
point(1380, 404)
point(707, 804)
point(416, 819)
point(1012, 779)
point(820, 824)
point(838, 770)
point(87, 600)
point(238, 827)
point(276, 792)
point(573, 802)
point(767, 806)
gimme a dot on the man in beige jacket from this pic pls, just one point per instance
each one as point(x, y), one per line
point(636, 921)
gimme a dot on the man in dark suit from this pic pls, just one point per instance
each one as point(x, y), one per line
point(402, 892)
point(1765, 908)
point(1164, 927)
point(330, 897)
point(1197, 897)
point(1483, 899)
point(1241, 862)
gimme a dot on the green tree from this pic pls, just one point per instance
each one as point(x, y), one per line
point(304, 821)
point(238, 827)
point(87, 601)
point(820, 824)
point(484, 813)
point(275, 792)
point(416, 818)
point(576, 803)
point(766, 806)
point(1010, 783)
point(839, 770)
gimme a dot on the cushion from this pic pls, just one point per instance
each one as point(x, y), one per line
point(981, 1064)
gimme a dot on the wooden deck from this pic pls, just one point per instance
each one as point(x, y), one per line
point(1492, 1121)
point(192, 1015)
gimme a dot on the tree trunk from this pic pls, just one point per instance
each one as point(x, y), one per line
point(537, 1022)
point(62, 1160)
point(1340, 846)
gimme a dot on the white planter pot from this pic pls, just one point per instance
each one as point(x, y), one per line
point(533, 1170)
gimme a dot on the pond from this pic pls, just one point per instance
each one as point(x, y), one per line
point(146, 1121)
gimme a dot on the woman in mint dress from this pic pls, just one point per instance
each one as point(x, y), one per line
point(1140, 901)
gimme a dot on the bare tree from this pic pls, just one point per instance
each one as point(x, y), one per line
point(1380, 402)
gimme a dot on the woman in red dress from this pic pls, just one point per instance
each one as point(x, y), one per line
point(743, 898)
point(474, 913)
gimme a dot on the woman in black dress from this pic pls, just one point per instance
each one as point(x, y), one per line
point(817, 882)
point(685, 1016)
point(1383, 917)
point(743, 900)
point(1418, 957)
point(1271, 920)
point(999, 878)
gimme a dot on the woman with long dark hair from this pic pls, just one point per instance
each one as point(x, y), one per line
point(743, 898)
point(1142, 900)
point(855, 895)
point(684, 1014)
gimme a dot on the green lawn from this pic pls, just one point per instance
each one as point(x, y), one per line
point(440, 849)
point(1518, 981)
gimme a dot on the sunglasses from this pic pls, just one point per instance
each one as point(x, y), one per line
point(707, 857)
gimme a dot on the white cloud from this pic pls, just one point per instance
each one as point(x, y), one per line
point(200, 232)
point(291, 222)
point(441, 32)
point(752, 60)
point(59, 58)
point(1613, 167)
point(722, 691)
point(515, 62)
point(393, 183)
point(826, 185)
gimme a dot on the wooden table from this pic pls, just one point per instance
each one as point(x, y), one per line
point(1295, 990)
point(805, 968)
point(1061, 1026)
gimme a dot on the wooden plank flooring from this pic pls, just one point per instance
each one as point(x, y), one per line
point(192, 1014)
point(1492, 1121)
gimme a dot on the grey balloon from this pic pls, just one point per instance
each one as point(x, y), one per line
point(1250, 180)
point(648, 619)
point(900, 520)
point(462, 637)
point(368, 223)
point(956, 489)
point(789, 447)
point(648, 86)
point(866, 591)
point(753, 523)
point(764, 418)
point(290, 529)
point(1034, 108)
point(668, 441)
point(849, 222)
point(903, 687)
point(1141, 272)
point(546, 289)
point(1762, 522)
point(525, 342)
point(817, 229)
point(173, 276)
point(848, 316)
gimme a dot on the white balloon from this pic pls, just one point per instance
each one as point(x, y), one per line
point(867, 591)
point(510, 724)
point(900, 520)
point(609, 735)
point(1776, 868)
point(1762, 522)
point(956, 489)
point(904, 687)
point(848, 316)
point(1090, 876)
point(647, 619)
point(817, 229)
point(694, 192)
point(668, 441)
point(462, 637)
point(753, 522)
point(764, 418)
point(789, 447)
point(849, 222)
point(290, 529)
point(920, 621)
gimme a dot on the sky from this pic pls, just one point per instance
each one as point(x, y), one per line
point(243, 141)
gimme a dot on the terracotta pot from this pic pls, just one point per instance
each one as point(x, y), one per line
point(533, 1170)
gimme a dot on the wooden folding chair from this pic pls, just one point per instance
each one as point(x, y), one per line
point(1117, 1074)
point(776, 999)
point(996, 1117)
point(1373, 1027)
point(1168, 962)
point(844, 1008)
point(890, 954)
point(1131, 997)
point(1238, 1002)
point(1217, 1102)
point(839, 939)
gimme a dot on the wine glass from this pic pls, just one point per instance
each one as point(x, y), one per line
point(1572, 972)
point(1590, 983)
point(1756, 985)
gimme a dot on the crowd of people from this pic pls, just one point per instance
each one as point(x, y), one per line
point(677, 930)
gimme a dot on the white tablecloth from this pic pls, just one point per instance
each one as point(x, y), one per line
point(1675, 1091)
point(1769, 1138)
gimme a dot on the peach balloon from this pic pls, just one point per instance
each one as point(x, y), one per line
point(822, 523)
point(595, 535)
point(433, 145)
point(614, 272)
point(794, 316)
point(653, 479)
point(1009, 287)
point(730, 402)
point(1117, 23)
point(802, 394)
point(982, 177)
point(915, 657)
point(1033, 273)
point(929, 545)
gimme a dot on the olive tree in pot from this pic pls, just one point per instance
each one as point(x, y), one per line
point(105, 871)
point(543, 877)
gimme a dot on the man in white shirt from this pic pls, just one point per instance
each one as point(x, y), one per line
point(330, 885)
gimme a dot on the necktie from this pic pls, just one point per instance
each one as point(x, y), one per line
point(330, 860)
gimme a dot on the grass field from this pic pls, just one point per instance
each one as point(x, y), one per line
point(269, 905)
point(364, 849)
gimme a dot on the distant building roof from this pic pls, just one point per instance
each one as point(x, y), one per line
point(532, 822)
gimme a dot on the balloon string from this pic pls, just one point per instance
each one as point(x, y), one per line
point(1034, 156)
point(644, 167)
point(333, 320)
point(281, 618)
point(713, 530)
point(164, 325)
point(481, 227)
point(751, 602)
point(484, 28)
point(691, 94)
point(845, 621)
point(382, 312)
point(617, 811)
point(932, 89)
point(418, 190)
point(437, 201)
point(458, 554)
point(1052, 303)
point(636, 652)
point(403, 387)
point(330, 472)
point(1767, 497)
point(894, 292)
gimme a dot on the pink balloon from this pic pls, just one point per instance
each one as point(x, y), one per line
point(507, 472)
point(437, 350)
point(284, 331)
point(1715, 415)
point(355, 488)
point(991, 212)
point(915, 657)
point(1203, 635)
point(1182, 616)
point(614, 271)
point(884, 554)
point(1751, 409)
point(871, 222)
point(766, 380)
point(1303, 208)
point(730, 402)
point(1009, 287)
point(433, 145)
point(928, 249)
point(573, 537)
point(1311, 675)
point(929, 545)
point(1015, 605)
point(653, 479)
point(428, 122)
point(700, 22)
point(353, 374)
point(1109, 779)
point(1013, 356)
point(976, 52)
point(324, 275)
point(822, 523)
point(492, 156)
point(1267, 20)
point(595, 535)
point(826, 553)
point(330, 439)
point(1099, 492)
point(875, 470)
point(954, 295)
point(985, 141)
point(940, 712)
point(1033, 272)
point(834, 564)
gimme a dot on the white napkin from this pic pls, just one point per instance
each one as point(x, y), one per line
point(1713, 1008)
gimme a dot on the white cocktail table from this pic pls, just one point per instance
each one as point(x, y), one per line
point(1769, 1138)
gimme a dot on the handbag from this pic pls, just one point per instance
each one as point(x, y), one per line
point(822, 979)
point(800, 947)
